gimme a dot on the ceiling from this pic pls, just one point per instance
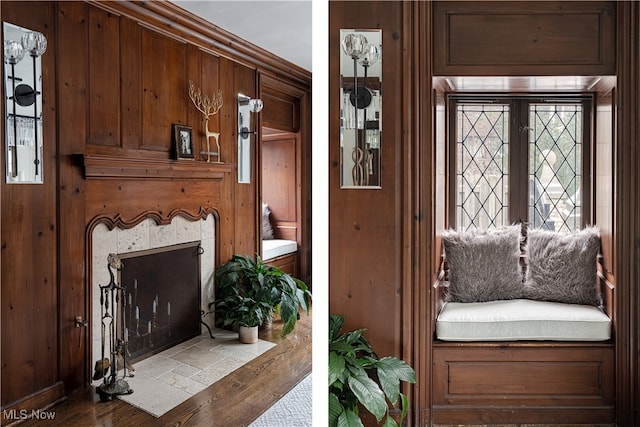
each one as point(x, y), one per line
point(280, 27)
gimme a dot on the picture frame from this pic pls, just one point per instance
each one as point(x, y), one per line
point(183, 142)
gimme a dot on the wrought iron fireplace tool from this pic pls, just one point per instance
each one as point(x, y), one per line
point(112, 306)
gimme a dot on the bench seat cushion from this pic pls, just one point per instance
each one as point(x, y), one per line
point(277, 247)
point(522, 319)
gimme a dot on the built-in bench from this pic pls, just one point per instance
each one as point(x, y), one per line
point(281, 253)
point(523, 329)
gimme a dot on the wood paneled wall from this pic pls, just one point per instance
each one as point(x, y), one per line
point(365, 246)
point(115, 79)
point(30, 226)
point(383, 244)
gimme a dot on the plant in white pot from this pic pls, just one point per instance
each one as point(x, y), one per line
point(248, 291)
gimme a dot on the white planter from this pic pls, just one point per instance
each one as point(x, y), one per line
point(248, 335)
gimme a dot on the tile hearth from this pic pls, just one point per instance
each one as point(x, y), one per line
point(166, 379)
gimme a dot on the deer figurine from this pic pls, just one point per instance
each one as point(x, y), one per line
point(208, 107)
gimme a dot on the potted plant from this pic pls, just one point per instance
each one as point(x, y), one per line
point(357, 377)
point(248, 292)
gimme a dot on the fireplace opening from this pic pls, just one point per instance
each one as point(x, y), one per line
point(162, 298)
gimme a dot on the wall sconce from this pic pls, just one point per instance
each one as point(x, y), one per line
point(24, 124)
point(246, 106)
point(360, 112)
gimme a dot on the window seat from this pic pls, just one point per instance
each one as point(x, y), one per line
point(523, 330)
point(274, 248)
point(522, 319)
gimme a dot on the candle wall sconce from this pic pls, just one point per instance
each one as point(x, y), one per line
point(360, 108)
point(208, 107)
point(246, 106)
point(23, 104)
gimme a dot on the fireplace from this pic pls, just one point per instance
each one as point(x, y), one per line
point(166, 267)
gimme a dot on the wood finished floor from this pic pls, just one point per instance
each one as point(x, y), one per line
point(235, 400)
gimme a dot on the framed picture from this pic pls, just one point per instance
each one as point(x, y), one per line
point(183, 142)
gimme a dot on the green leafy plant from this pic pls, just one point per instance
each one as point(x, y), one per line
point(248, 291)
point(357, 376)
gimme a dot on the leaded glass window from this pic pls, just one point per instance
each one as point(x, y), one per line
point(519, 160)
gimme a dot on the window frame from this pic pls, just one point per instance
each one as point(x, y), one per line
point(518, 150)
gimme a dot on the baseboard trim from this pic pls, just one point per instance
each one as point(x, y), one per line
point(33, 404)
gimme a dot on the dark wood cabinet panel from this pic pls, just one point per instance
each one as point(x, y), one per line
point(523, 383)
point(280, 111)
point(527, 38)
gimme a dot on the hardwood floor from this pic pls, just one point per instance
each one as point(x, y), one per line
point(235, 400)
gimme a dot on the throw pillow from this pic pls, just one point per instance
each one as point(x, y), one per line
point(562, 266)
point(267, 230)
point(484, 266)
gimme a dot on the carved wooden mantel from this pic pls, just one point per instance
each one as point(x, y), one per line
point(97, 167)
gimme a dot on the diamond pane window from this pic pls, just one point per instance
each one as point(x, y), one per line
point(482, 153)
point(555, 172)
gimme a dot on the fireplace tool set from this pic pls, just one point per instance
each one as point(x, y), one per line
point(114, 337)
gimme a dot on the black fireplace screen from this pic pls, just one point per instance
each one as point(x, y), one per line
point(162, 298)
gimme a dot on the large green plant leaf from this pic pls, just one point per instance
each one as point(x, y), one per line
point(349, 418)
point(368, 393)
point(335, 324)
point(390, 371)
point(336, 367)
point(335, 409)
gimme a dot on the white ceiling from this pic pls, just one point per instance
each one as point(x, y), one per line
point(281, 27)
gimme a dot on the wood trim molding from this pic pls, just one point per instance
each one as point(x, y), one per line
point(164, 15)
point(40, 400)
point(112, 221)
point(111, 167)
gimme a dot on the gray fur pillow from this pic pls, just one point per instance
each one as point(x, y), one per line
point(267, 230)
point(484, 266)
point(562, 266)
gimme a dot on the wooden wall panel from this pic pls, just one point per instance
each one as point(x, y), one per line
point(280, 111)
point(246, 239)
point(130, 83)
point(104, 60)
point(209, 82)
point(73, 79)
point(366, 240)
point(626, 219)
point(527, 38)
point(164, 88)
point(280, 183)
point(29, 273)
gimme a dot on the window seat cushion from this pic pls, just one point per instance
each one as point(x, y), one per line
point(277, 247)
point(521, 319)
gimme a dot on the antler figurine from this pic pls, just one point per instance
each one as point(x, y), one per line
point(208, 107)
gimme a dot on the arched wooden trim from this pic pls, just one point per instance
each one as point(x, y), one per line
point(118, 221)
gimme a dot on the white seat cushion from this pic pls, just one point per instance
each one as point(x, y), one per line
point(522, 319)
point(277, 247)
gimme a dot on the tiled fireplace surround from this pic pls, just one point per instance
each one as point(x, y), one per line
point(149, 235)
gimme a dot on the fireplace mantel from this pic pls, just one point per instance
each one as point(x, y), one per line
point(112, 167)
